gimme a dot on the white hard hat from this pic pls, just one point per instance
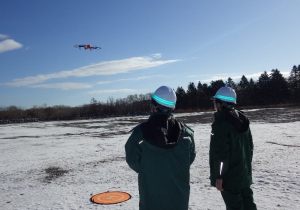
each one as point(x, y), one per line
point(165, 96)
point(226, 94)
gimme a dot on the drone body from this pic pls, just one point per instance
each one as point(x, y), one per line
point(87, 46)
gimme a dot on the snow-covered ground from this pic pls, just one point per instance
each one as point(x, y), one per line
point(59, 165)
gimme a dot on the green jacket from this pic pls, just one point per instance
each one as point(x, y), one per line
point(162, 166)
point(231, 150)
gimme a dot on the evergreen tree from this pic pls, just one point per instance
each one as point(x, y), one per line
point(264, 79)
point(294, 83)
point(192, 95)
point(199, 87)
point(230, 83)
point(203, 100)
point(181, 98)
point(263, 94)
point(244, 83)
point(243, 91)
point(205, 89)
point(252, 99)
point(192, 90)
point(293, 77)
point(279, 86)
point(215, 86)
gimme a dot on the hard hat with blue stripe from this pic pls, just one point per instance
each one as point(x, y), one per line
point(165, 96)
point(226, 94)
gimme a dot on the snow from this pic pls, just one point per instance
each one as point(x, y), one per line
point(87, 157)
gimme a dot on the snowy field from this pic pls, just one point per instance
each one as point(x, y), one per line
point(59, 165)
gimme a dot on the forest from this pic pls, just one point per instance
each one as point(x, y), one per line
point(271, 89)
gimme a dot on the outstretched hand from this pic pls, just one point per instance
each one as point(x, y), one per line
point(219, 184)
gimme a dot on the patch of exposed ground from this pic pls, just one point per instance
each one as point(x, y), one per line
point(274, 115)
point(269, 115)
point(110, 134)
point(107, 160)
point(20, 137)
point(286, 145)
point(201, 118)
point(54, 173)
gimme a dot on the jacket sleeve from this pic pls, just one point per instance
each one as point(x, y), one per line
point(133, 150)
point(188, 132)
point(249, 162)
point(221, 150)
point(251, 145)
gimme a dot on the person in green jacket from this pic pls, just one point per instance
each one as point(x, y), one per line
point(161, 151)
point(231, 151)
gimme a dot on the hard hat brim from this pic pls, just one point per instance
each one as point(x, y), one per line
point(163, 102)
point(225, 98)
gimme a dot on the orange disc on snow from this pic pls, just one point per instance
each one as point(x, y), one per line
point(113, 197)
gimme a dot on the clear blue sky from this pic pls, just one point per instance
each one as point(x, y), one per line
point(145, 44)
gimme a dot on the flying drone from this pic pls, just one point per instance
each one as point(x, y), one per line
point(87, 47)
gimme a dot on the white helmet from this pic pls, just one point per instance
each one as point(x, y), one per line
point(226, 94)
point(165, 96)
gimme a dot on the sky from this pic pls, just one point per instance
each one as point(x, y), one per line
point(144, 44)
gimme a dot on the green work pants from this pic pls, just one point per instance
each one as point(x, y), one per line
point(241, 200)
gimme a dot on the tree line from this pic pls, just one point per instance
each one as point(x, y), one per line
point(269, 89)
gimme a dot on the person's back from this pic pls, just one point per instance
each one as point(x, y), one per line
point(161, 150)
point(231, 151)
point(231, 132)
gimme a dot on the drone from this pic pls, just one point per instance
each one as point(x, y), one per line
point(87, 47)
